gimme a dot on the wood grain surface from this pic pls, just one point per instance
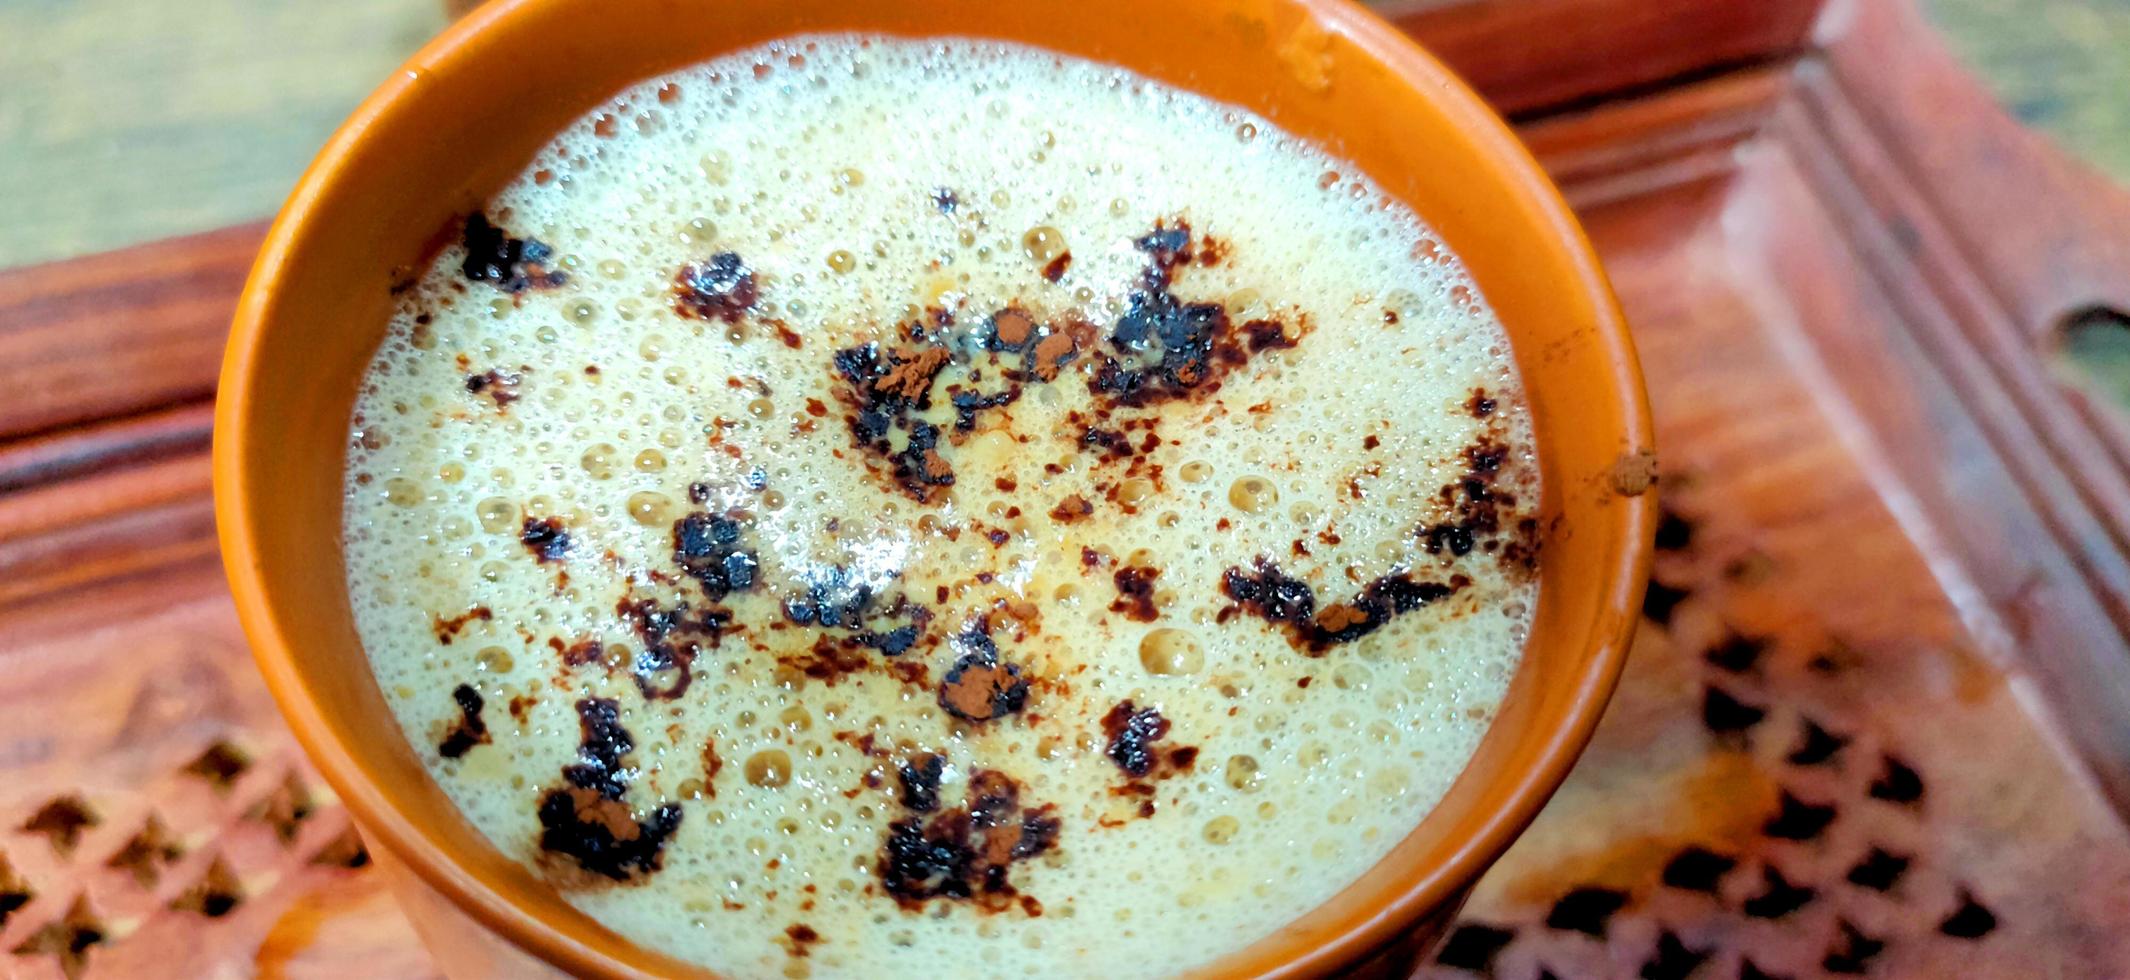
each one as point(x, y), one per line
point(1530, 56)
point(118, 333)
point(1827, 740)
point(1874, 722)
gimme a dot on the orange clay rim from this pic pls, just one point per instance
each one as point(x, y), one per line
point(1429, 888)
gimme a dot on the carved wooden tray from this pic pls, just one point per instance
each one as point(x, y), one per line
point(1878, 720)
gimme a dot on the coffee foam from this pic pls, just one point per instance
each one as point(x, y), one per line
point(866, 182)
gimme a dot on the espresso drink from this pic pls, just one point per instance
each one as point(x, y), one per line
point(897, 508)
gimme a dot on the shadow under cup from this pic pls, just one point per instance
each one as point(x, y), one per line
point(468, 112)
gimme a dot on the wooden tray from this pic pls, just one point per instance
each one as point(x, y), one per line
point(1878, 721)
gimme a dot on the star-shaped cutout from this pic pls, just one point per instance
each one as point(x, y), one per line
point(62, 822)
point(220, 764)
point(70, 939)
point(148, 853)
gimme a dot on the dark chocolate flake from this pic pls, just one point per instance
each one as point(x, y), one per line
point(801, 938)
point(448, 629)
point(979, 688)
point(919, 468)
point(601, 744)
point(604, 836)
point(470, 730)
point(920, 782)
point(1054, 270)
point(835, 596)
point(1166, 244)
point(915, 865)
point(719, 288)
point(1439, 538)
point(1264, 335)
point(588, 820)
point(673, 636)
point(1132, 731)
point(1290, 603)
point(1073, 508)
point(1480, 405)
point(1109, 444)
point(1038, 834)
point(1135, 593)
point(1478, 514)
point(1484, 458)
point(499, 387)
point(967, 852)
point(545, 538)
point(707, 547)
point(968, 403)
point(884, 388)
point(1168, 348)
point(509, 264)
point(894, 642)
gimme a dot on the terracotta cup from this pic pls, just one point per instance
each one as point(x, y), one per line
point(469, 110)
